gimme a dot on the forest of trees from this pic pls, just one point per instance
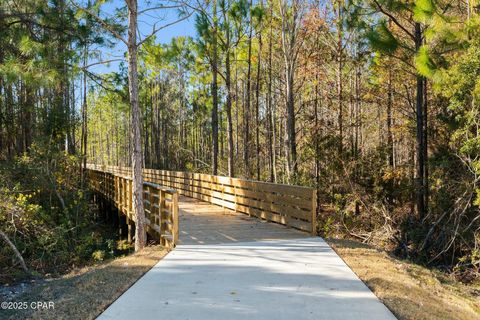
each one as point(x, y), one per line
point(371, 102)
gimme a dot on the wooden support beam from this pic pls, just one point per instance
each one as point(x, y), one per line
point(130, 230)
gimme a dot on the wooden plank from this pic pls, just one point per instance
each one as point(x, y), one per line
point(267, 206)
point(299, 191)
point(285, 204)
point(279, 199)
point(314, 212)
point(273, 197)
point(298, 224)
point(278, 206)
point(228, 201)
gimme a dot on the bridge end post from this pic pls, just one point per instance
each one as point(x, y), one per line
point(314, 212)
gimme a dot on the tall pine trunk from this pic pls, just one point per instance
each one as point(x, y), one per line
point(420, 181)
point(390, 149)
point(257, 105)
point(339, 77)
point(290, 24)
point(228, 85)
point(214, 93)
point(271, 122)
point(389, 121)
point(84, 134)
point(291, 133)
point(246, 142)
point(138, 207)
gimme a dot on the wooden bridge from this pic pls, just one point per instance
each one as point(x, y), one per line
point(231, 261)
point(234, 203)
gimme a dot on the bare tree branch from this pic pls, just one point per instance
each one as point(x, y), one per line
point(104, 24)
point(155, 30)
point(15, 251)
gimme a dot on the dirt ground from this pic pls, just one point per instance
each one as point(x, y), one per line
point(85, 293)
point(410, 291)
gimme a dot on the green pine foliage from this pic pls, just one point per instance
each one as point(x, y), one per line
point(423, 10)
point(424, 64)
point(382, 39)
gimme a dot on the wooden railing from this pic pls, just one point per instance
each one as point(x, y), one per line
point(161, 203)
point(289, 205)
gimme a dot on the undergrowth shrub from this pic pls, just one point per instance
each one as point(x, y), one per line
point(46, 214)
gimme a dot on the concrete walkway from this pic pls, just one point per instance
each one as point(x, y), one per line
point(230, 266)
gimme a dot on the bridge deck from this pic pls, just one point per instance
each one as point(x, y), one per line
point(204, 223)
point(231, 266)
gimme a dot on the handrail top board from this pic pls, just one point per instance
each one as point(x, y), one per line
point(221, 179)
point(147, 183)
point(160, 187)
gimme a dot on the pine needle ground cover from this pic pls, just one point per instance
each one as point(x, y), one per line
point(85, 293)
point(410, 291)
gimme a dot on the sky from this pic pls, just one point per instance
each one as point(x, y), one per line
point(146, 21)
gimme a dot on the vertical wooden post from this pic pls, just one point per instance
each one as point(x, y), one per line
point(314, 212)
point(161, 210)
point(120, 224)
point(158, 214)
point(129, 231)
point(151, 198)
point(125, 196)
point(175, 217)
point(130, 201)
point(121, 193)
point(116, 188)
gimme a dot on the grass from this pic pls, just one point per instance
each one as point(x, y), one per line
point(410, 291)
point(85, 293)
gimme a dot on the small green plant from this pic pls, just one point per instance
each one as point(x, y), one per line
point(326, 227)
point(123, 245)
point(98, 255)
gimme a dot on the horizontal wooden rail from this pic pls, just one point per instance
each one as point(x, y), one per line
point(161, 203)
point(293, 206)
